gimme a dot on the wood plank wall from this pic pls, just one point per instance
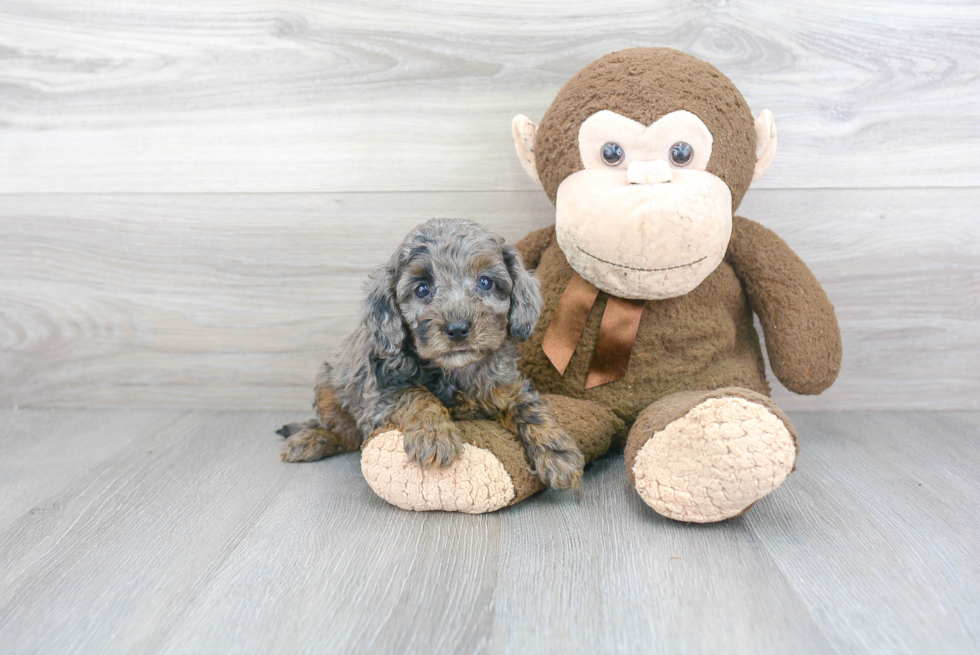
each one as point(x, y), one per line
point(191, 193)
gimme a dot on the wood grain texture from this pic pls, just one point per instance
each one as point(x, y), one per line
point(187, 534)
point(307, 96)
point(196, 300)
point(232, 300)
point(52, 448)
point(884, 510)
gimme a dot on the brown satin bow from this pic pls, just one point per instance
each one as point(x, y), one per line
point(617, 332)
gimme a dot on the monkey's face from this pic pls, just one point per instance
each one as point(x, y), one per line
point(644, 218)
point(646, 153)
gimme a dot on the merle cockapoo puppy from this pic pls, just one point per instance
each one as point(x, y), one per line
point(437, 341)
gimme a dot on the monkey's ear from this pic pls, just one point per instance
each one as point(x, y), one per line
point(525, 131)
point(765, 143)
point(525, 295)
point(381, 315)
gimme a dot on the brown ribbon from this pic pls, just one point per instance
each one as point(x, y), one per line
point(617, 332)
point(568, 322)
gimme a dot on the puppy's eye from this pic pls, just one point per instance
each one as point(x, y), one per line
point(422, 290)
point(613, 154)
point(484, 284)
point(681, 153)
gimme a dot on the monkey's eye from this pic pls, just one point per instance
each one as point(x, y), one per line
point(681, 153)
point(484, 284)
point(422, 290)
point(612, 154)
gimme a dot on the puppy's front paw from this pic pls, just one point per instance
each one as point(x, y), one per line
point(558, 463)
point(433, 445)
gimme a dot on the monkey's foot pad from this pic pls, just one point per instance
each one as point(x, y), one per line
point(716, 460)
point(475, 483)
point(493, 471)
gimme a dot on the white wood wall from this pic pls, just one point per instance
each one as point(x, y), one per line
point(191, 193)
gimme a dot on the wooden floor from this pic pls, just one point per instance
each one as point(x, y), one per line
point(181, 531)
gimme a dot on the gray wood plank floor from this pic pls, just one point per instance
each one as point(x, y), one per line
point(180, 531)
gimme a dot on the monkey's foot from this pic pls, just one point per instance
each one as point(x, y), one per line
point(493, 470)
point(475, 483)
point(708, 456)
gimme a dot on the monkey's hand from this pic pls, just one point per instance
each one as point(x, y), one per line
point(435, 443)
point(798, 320)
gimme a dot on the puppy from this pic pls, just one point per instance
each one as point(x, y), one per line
point(437, 341)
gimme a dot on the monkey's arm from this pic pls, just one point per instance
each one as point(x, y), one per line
point(534, 244)
point(802, 336)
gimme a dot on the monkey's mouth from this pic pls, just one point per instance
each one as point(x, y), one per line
point(642, 270)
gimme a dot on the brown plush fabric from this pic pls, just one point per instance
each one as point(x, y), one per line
point(670, 408)
point(593, 426)
point(489, 435)
point(703, 340)
point(644, 84)
point(802, 336)
point(534, 244)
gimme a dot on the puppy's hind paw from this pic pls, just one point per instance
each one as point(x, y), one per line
point(310, 445)
point(559, 466)
point(290, 429)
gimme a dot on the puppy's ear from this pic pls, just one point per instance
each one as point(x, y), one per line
point(381, 315)
point(525, 296)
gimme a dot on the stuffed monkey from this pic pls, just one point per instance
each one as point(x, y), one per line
point(650, 283)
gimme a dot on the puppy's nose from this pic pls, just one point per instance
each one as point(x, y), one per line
point(649, 172)
point(457, 330)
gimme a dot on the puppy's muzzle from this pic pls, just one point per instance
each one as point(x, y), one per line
point(458, 330)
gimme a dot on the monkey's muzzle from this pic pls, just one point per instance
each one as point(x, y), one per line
point(649, 172)
point(641, 240)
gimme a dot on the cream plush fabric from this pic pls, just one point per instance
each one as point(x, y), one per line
point(643, 241)
point(715, 461)
point(475, 483)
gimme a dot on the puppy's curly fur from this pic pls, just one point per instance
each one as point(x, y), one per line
point(437, 341)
